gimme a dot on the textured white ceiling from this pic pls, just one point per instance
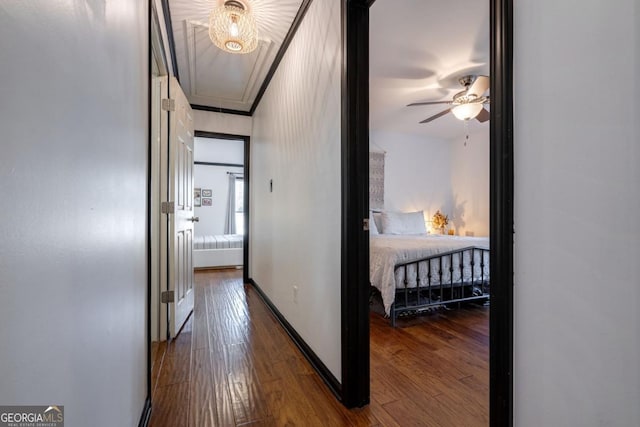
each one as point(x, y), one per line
point(212, 77)
point(418, 49)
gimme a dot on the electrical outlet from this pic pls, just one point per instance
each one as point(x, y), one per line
point(295, 294)
point(468, 233)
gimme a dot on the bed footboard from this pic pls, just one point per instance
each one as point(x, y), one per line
point(450, 277)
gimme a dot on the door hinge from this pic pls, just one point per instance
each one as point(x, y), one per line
point(365, 224)
point(168, 208)
point(169, 104)
point(167, 297)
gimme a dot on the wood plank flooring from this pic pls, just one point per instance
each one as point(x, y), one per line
point(234, 365)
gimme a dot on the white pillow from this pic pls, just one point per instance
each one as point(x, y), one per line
point(403, 223)
point(377, 218)
point(373, 227)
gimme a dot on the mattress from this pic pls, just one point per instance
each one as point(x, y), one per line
point(387, 251)
point(222, 241)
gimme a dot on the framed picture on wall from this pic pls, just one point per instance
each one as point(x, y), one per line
point(196, 197)
point(207, 201)
point(206, 193)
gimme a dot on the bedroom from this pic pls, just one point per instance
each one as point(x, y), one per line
point(422, 162)
point(219, 188)
point(426, 157)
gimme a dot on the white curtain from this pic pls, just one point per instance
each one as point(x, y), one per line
point(230, 223)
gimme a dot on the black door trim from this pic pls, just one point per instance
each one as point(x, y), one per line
point(501, 215)
point(247, 158)
point(355, 175)
point(355, 204)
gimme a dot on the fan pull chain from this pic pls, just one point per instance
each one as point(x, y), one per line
point(466, 130)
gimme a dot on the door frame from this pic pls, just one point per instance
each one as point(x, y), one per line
point(158, 184)
point(355, 208)
point(247, 145)
point(155, 52)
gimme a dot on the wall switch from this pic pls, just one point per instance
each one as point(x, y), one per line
point(295, 294)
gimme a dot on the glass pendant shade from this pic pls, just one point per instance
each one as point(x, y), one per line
point(466, 111)
point(232, 28)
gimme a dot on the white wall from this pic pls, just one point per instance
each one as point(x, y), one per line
point(470, 183)
point(577, 198)
point(423, 173)
point(232, 124)
point(215, 178)
point(295, 230)
point(73, 272)
point(417, 172)
point(218, 150)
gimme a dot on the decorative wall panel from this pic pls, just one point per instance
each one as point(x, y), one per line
point(376, 180)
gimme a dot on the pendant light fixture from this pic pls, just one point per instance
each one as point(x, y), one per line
point(232, 27)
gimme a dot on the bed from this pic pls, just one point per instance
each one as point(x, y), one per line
point(223, 250)
point(415, 271)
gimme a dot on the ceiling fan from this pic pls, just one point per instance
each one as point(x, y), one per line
point(467, 104)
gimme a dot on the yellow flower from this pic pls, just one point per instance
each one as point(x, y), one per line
point(440, 220)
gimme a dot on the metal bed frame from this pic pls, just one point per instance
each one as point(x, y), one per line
point(441, 288)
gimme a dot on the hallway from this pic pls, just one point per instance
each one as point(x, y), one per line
point(234, 365)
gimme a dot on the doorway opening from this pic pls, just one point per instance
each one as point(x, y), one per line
point(355, 265)
point(221, 199)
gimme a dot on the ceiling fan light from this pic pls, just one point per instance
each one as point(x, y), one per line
point(466, 111)
point(232, 28)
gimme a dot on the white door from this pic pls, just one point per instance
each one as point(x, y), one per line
point(180, 240)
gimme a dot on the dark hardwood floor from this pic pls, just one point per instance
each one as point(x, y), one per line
point(234, 365)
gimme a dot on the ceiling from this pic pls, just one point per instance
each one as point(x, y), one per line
point(418, 49)
point(214, 78)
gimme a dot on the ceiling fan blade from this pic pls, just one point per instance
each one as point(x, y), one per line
point(429, 103)
point(440, 114)
point(479, 86)
point(483, 115)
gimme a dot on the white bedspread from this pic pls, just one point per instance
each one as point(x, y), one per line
point(223, 241)
point(389, 250)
